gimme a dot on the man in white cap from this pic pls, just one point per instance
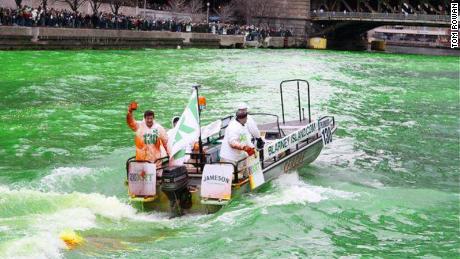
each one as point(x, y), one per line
point(237, 144)
point(251, 125)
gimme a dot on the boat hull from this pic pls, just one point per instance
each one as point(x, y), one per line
point(300, 157)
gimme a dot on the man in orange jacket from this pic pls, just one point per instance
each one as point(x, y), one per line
point(149, 135)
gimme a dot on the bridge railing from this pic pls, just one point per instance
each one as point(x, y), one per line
point(378, 16)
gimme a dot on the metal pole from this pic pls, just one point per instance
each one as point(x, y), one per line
point(207, 12)
point(298, 99)
point(309, 113)
point(200, 143)
point(282, 102)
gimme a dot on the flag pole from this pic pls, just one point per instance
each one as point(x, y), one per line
point(200, 143)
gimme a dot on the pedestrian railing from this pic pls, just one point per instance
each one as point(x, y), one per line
point(378, 16)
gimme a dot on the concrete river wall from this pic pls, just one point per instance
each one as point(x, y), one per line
point(15, 38)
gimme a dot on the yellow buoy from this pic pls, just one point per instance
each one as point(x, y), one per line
point(71, 239)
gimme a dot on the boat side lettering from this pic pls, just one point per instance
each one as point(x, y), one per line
point(279, 146)
point(295, 162)
point(290, 140)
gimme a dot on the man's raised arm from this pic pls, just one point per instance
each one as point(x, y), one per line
point(130, 118)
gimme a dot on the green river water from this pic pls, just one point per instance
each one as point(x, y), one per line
point(388, 185)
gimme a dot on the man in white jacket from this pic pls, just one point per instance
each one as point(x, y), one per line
point(237, 144)
point(251, 125)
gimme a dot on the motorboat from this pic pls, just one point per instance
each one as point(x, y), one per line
point(204, 184)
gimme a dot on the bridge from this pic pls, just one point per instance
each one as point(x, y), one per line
point(344, 22)
point(345, 30)
point(393, 18)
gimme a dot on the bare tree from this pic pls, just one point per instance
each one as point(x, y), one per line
point(44, 5)
point(95, 4)
point(195, 7)
point(115, 5)
point(45, 8)
point(227, 12)
point(256, 9)
point(177, 6)
point(74, 4)
point(18, 3)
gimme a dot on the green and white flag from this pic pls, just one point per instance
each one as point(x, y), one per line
point(187, 130)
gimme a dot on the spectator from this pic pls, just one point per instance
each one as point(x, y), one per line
point(27, 16)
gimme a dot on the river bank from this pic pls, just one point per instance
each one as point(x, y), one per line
point(41, 38)
point(20, 38)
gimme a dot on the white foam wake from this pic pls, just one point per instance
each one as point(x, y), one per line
point(77, 179)
point(37, 234)
point(288, 189)
point(64, 175)
point(291, 190)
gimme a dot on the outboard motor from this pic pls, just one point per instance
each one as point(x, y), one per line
point(175, 186)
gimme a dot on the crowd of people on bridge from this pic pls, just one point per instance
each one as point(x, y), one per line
point(28, 16)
